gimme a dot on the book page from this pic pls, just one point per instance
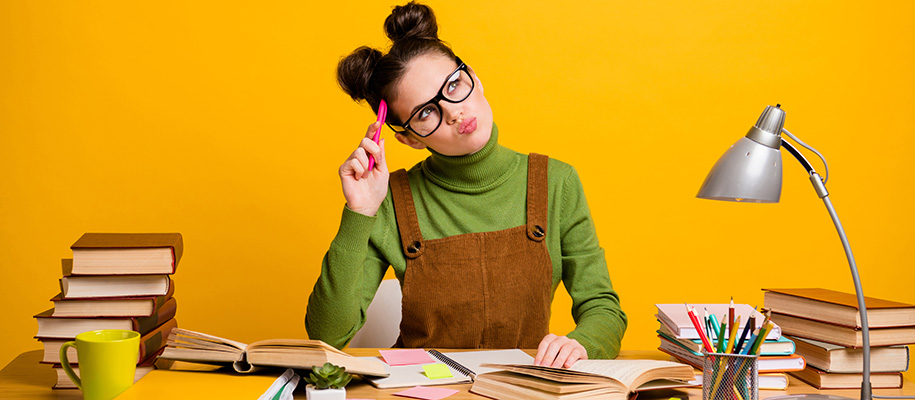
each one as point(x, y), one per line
point(633, 373)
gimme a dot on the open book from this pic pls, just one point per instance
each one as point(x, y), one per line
point(605, 379)
point(185, 345)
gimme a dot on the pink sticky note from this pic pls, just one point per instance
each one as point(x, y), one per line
point(406, 357)
point(426, 393)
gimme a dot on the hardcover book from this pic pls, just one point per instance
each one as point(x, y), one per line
point(765, 363)
point(839, 308)
point(140, 306)
point(833, 358)
point(94, 286)
point(826, 380)
point(604, 379)
point(50, 326)
point(126, 253)
point(770, 347)
point(186, 345)
point(674, 316)
point(150, 343)
point(847, 336)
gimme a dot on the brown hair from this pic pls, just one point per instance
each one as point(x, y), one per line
point(367, 74)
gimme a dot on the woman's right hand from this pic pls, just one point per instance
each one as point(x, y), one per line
point(364, 190)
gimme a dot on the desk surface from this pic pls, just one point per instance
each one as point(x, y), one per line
point(25, 378)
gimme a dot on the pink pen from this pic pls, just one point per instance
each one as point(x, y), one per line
point(382, 114)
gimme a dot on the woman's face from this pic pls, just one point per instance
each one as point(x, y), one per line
point(466, 126)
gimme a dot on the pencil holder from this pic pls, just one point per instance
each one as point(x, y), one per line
point(730, 377)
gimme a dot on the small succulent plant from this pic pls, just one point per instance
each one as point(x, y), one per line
point(328, 376)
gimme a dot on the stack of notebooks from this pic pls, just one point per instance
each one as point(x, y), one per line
point(113, 281)
point(681, 341)
point(826, 326)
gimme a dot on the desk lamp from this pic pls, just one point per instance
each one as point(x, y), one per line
point(751, 171)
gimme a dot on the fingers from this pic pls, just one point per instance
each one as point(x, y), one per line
point(559, 352)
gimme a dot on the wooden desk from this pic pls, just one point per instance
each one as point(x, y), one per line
point(24, 378)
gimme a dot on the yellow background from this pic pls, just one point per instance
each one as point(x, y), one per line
point(223, 121)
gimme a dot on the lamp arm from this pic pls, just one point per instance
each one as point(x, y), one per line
point(820, 187)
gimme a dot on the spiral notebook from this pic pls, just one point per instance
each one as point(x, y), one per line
point(464, 366)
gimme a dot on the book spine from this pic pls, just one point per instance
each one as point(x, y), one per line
point(166, 312)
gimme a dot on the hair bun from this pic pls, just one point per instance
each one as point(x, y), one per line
point(354, 72)
point(411, 20)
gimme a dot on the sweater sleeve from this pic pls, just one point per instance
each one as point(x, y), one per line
point(600, 321)
point(351, 271)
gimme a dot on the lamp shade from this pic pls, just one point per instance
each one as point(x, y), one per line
point(751, 169)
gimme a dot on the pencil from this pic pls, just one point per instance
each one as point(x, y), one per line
point(732, 338)
point(743, 336)
point(695, 320)
point(722, 336)
point(731, 313)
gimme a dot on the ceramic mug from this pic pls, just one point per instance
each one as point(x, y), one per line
point(107, 362)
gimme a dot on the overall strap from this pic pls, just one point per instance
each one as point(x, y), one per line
point(411, 239)
point(537, 200)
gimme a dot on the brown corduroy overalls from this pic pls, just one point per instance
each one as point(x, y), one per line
point(476, 290)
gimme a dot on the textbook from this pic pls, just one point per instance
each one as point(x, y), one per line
point(838, 308)
point(95, 286)
point(50, 326)
point(186, 345)
point(64, 381)
point(139, 306)
point(674, 316)
point(126, 253)
point(826, 380)
point(465, 366)
point(777, 347)
point(604, 379)
point(765, 363)
point(832, 358)
point(767, 381)
point(847, 336)
point(150, 343)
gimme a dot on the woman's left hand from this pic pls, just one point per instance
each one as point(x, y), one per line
point(559, 352)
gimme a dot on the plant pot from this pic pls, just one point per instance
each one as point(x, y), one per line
point(313, 393)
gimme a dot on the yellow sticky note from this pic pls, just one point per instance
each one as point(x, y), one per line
point(437, 371)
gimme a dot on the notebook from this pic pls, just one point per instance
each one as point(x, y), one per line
point(464, 367)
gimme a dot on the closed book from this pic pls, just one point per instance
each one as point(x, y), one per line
point(126, 253)
point(828, 380)
point(839, 308)
point(94, 286)
point(68, 327)
point(833, 358)
point(847, 336)
point(141, 306)
point(770, 347)
point(764, 363)
point(150, 343)
point(678, 321)
point(767, 381)
point(64, 381)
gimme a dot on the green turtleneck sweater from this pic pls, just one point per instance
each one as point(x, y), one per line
point(482, 192)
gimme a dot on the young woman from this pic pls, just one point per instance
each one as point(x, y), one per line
point(478, 235)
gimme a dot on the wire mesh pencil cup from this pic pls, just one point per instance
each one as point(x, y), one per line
point(730, 377)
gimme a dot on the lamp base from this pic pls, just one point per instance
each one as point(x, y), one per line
point(812, 396)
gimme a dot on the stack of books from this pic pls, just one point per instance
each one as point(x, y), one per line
point(113, 281)
point(681, 340)
point(826, 325)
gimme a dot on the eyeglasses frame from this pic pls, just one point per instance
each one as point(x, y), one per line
point(436, 100)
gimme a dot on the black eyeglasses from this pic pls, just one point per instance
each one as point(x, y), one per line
point(428, 117)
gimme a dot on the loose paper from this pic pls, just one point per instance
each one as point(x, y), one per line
point(406, 357)
point(437, 371)
point(426, 393)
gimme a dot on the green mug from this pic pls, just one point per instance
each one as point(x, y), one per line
point(107, 362)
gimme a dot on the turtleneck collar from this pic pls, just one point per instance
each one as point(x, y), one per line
point(472, 173)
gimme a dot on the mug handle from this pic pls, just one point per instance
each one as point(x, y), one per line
point(65, 363)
